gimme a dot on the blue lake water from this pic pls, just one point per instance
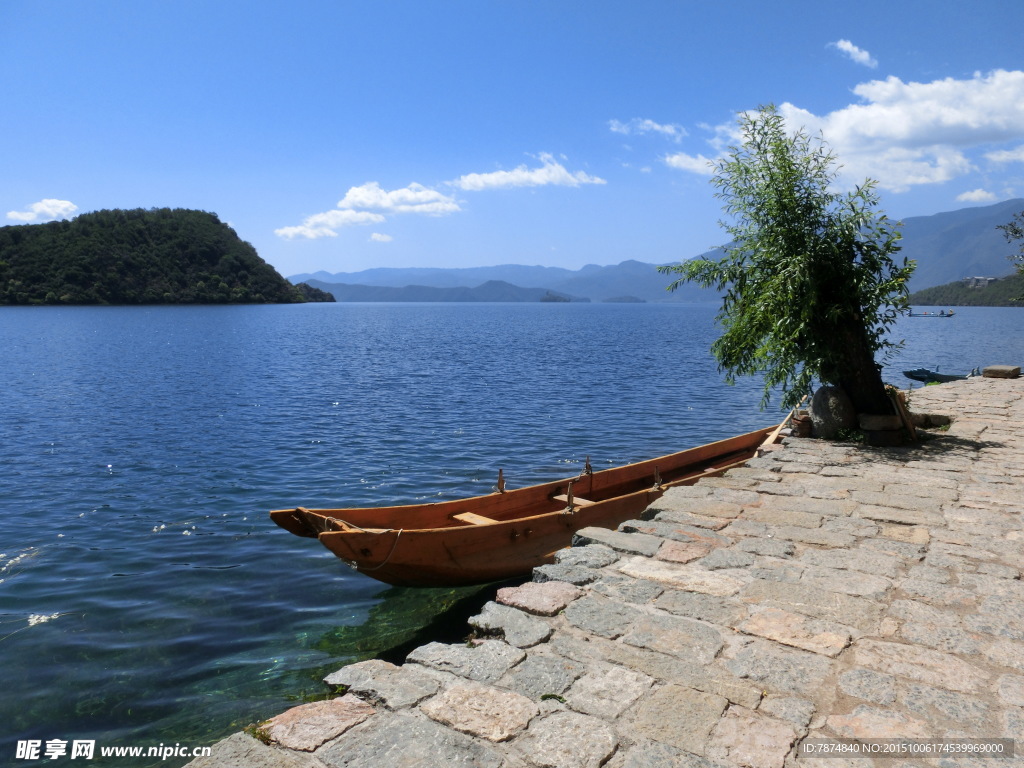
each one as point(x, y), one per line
point(145, 596)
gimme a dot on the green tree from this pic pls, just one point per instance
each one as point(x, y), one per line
point(1015, 231)
point(810, 284)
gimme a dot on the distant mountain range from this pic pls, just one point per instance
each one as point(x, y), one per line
point(492, 290)
point(628, 281)
point(956, 244)
point(947, 247)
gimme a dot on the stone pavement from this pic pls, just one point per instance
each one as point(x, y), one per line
point(823, 590)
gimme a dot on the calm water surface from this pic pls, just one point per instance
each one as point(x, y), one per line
point(145, 596)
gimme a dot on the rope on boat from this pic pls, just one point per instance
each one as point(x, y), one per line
point(386, 559)
point(353, 564)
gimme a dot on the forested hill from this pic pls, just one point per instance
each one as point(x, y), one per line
point(156, 256)
point(992, 292)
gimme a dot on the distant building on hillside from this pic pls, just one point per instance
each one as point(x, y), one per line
point(978, 282)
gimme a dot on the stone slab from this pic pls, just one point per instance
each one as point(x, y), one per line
point(242, 751)
point(391, 686)
point(779, 669)
point(601, 616)
point(857, 559)
point(626, 589)
point(396, 740)
point(675, 636)
point(781, 516)
point(608, 691)
point(899, 516)
point(924, 665)
point(868, 685)
point(717, 610)
point(817, 536)
point(727, 558)
point(750, 739)
point(571, 574)
point(709, 678)
point(568, 740)
point(484, 662)
point(872, 723)
point(941, 708)
point(789, 708)
point(682, 551)
point(630, 543)
point(853, 583)
point(542, 674)
point(676, 532)
point(817, 635)
point(542, 599)
point(672, 510)
point(816, 602)
point(654, 754)
point(681, 576)
point(1011, 689)
point(588, 556)
point(481, 710)
point(680, 717)
point(308, 726)
point(767, 547)
point(516, 627)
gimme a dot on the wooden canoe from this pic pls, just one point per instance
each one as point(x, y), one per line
point(507, 533)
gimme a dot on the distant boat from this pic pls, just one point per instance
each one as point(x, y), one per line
point(508, 533)
point(929, 376)
point(940, 313)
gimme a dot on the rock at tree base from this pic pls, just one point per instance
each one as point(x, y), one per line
point(831, 411)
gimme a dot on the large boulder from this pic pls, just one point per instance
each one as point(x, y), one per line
point(831, 411)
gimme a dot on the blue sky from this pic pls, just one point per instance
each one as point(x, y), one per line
point(347, 135)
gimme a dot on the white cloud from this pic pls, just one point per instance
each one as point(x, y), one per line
point(414, 198)
point(45, 210)
point(364, 205)
point(1007, 155)
point(550, 172)
point(326, 224)
point(637, 125)
point(976, 196)
point(905, 134)
point(371, 204)
point(856, 54)
point(692, 163)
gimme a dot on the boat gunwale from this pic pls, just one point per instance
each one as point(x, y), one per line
point(521, 520)
point(641, 468)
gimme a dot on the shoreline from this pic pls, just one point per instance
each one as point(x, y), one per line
point(823, 591)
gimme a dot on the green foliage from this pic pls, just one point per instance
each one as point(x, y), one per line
point(157, 256)
point(1014, 230)
point(1005, 292)
point(311, 293)
point(809, 281)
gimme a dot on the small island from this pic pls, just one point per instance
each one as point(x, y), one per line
point(131, 257)
point(973, 292)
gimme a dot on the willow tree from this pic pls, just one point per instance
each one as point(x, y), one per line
point(810, 282)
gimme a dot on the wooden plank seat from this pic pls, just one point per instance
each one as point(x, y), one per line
point(576, 500)
point(472, 517)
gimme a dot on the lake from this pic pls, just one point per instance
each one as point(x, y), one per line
point(145, 596)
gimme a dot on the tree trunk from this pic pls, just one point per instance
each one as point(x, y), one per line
point(861, 378)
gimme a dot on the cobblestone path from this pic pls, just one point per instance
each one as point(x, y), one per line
point(822, 591)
